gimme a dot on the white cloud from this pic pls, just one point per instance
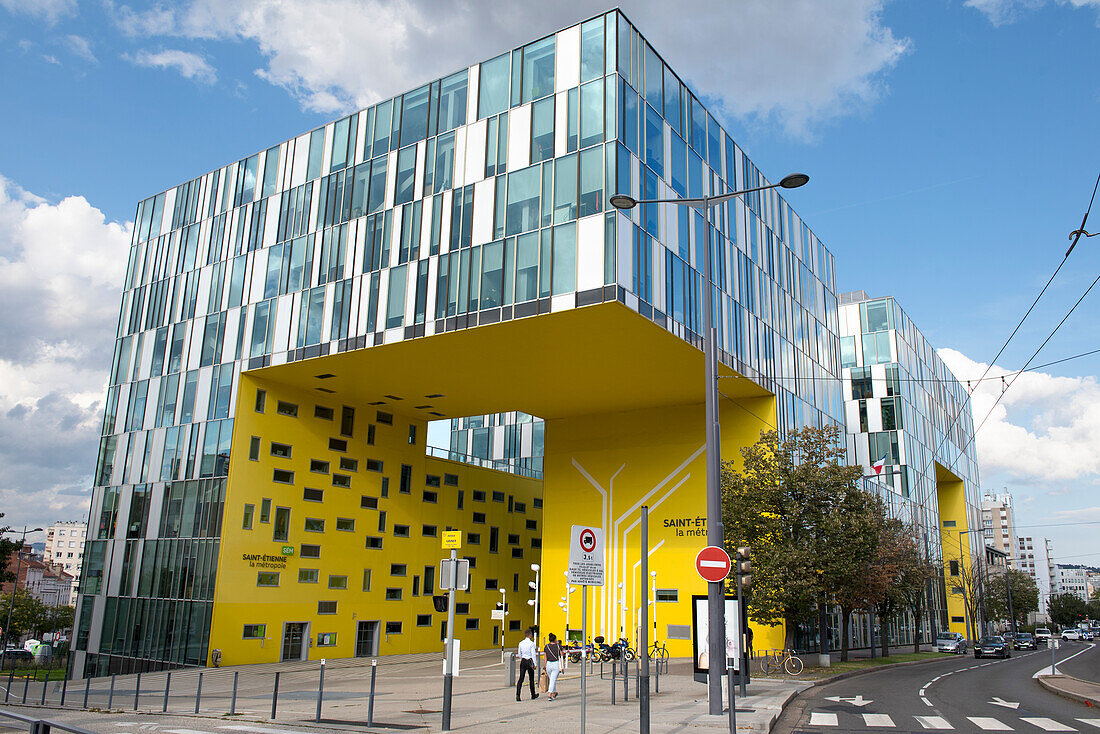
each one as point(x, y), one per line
point(189, 65)
point(48, 10)
point(61, 269)
point(81, 48)
point(1002, 12)
point(800, 63)
point(1045, 429)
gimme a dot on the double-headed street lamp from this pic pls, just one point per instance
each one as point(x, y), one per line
point(15, 586)
point(716, 623)
point(534, 586)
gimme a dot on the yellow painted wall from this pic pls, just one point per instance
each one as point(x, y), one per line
point(238, 601)
point(599, 470)
point(951, 496)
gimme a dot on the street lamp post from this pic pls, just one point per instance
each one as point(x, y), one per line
point(15, 585)
point(503, 621)
point(534, 586)
point(716, 623)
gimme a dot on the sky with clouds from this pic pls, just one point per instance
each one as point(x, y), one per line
point(951, 143)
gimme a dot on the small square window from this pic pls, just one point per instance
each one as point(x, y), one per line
point(310, 494)
point(432, 480)
point(347, 421)
point(326, 607)
point(282, 476)
point(320, 411)
point(267, 578)
point(254, 631)
point(341, 480)
point(472, 623)
point(513, 539)
point(398, 569)
point(314, 525)
point(521, 507)
point(532, 524)
point(537, 503)
point(517, 553)
point(261, 400)
point(423, 620)
point(473, 538)
point(310, 551)
point(462, 607)
point(429, 531)
point(384, 418)
point(347, 464)
point(337, 444)
point(668, 595)
point(346, 524)
point(536, 542)
point(374, 542)
point(326, 639)
point(401, 531)
point(316, 465)
point(451, 480)
point(514, 625)
point(490, 584)
point(479, 496)
point(393, 594)
point(479, 517)
point(307, 575)
point(374, 465)
point(369, 503)
point(498, 496)
point(338, 582)
point(285, 408)
point(281, 450)
point(430, 496)
point(393, 628)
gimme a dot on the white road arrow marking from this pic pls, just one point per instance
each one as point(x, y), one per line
point(998, 701)
point(857, 700)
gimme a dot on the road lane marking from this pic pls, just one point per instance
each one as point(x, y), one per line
point(926, 701)
point(1091, 722)
point(818, 718)
point(1048, 671)
point(988, 723)
point(878, 720)
point(1046, 724)
point(262, 730)
point(933, 722)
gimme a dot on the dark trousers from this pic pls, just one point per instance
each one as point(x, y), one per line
point(526, 667)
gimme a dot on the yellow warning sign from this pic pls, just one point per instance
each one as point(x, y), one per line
point(452, 539)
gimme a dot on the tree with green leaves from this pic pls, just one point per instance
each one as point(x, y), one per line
point(1025, 595)
point(779, 502)
point(27, 614)
point(1066, 610)
point(8, 549)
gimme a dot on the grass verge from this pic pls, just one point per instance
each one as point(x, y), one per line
point(816, 672)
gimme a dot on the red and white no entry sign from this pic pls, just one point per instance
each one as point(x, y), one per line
point(588, 540)
point(713, 564)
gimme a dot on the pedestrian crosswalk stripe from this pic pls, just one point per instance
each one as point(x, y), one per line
point(1046, 724)
point(1091, 722)
point(878, 720)
point(933, 722)
point(818, 718)
point(988, 723)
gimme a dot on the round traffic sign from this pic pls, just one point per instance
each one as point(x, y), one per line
point(588, 540)
point(713, 564)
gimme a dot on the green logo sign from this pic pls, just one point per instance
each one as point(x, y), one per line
point(288, 550)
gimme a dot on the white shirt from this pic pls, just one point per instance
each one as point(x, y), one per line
point(527, 649)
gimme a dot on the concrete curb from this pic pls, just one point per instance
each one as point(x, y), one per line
point(1048, 682)
point(841, 676)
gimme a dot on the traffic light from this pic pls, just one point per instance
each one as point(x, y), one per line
point(744, 567)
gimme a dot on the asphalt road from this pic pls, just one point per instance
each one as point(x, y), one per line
point(958, 694)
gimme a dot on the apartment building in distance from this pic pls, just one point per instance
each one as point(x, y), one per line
point(65, 548)
point(1035, 556)
point(999, 524)
point(1071, 579)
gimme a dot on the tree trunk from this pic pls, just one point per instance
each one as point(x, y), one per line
point(884, 635)
point(917, 622)
point(845, 621)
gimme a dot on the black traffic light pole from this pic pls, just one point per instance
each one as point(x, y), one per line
point(744, 579)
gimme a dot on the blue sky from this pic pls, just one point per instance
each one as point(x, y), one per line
point(952, 147)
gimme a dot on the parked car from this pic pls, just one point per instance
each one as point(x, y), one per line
point(1042, 635)
point(951, 642)
point(1009, 638)
point(1024, 641)
point(17, 655)
point(1086, 634)
point(1071, 634)
point(992, 646)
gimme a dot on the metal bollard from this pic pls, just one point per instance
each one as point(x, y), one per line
point(614, 682)
point(7, 691)
point(370, 704)
point(111, 695)
point(275, 696)
point(626, 681)
point(198, 694)
point(26, 683)
point(87, 690)
point(512, 671)
point(733, 704)
point(137, 691)
point(167, 685)
point(658, 677)
point(64, 688)
point(320, 692)
point(44, 684)
point(233, 701)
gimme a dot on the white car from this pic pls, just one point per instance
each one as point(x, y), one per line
point(1071, 634)
point(1042, 635)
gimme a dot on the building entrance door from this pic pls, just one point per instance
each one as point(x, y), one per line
point(294, 634)
point(366, 639)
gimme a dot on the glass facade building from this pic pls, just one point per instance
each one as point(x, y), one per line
point(475, 200)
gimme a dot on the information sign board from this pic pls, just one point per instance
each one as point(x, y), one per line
point(586, 556)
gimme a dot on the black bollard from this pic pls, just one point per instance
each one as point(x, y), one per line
point(167, 685)
point(111, 694)
point(44, 684)
point(320, 692)
point(64, 687)
point(733, 704)
point(87, 690)
point(370, 704)
point(137, 691)
point(7, 691)
point(198, 694)
point(26, 683)
point(233, 701)
point(275, 696)
point(626, 681)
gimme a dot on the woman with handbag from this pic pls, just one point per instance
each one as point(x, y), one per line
point(553, 652)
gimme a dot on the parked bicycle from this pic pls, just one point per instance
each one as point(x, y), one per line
point(658, 651)
point(775, 661)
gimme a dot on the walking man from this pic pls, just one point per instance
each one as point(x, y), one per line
point(527, 652)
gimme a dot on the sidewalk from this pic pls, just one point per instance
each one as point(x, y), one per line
point(1074, 689)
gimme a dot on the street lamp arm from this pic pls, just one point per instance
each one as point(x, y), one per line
point(790, 181)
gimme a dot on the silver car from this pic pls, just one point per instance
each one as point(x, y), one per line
point(951, 642)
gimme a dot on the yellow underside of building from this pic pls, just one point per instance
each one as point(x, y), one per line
point(955, 541)
point(623, 401)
